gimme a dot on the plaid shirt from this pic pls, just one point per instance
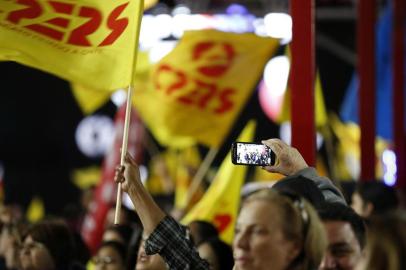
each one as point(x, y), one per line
point(170, 240)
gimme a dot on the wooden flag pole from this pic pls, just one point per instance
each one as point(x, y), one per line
point(123, 151)
point(140, 10)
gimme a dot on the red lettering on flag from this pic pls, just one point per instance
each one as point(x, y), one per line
point(222, 221)
point(219, 55)
point(225, 101)
point(32, 11)
point(196, 92)
point(180, 79)
point(79, 35)
point(116, 25)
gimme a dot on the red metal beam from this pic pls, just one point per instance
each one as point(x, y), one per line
point(398, 56)
point(302, 79)
point(366, 71)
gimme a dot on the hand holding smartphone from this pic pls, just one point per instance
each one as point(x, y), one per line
point(254, 154)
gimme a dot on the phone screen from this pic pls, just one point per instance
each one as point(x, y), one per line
point(252, 154)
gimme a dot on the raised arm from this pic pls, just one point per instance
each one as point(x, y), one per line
point(290, 163)
point(166, 236)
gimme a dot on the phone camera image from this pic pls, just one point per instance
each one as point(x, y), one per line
point(252, 154)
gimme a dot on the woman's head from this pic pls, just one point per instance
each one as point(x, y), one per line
point(386, 242)
point(201, 231)
point(119, 233)
point(217, 253)
point(278, 230)
point(110, 256)
point(149, 262)
point(47, 245)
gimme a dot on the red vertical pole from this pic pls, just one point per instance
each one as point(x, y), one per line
point(302, 79)
point(366, 71)
point(398, 56)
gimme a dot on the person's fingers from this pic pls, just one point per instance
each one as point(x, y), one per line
point(118, 176)
point(274, 145)
point(129, 159)
point(120, 168)
point(272, 169)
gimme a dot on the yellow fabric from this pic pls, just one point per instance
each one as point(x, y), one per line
point(219, 204)
point(320, 109)
point(188, 163)
point(89, 99)
point(348, 155)
point(200, 87)
point(348, 150)
point(162, 172)
point(86, 177)
point(149, 4)
point(36, 210)
point(90, 42)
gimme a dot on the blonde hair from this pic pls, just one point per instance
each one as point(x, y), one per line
point(386, 244)
point(300, 224)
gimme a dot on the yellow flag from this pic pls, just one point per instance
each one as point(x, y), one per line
point(220, 203)
point(189, 161)
point(201, 86)
point(89, 99)
point(91, 42)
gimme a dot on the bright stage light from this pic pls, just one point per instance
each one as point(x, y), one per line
point(279, 25)
point(389, 167)
point(94, 135)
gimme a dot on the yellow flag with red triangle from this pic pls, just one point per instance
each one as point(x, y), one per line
point(220, 203)
point(91, 42)
point(201, 86)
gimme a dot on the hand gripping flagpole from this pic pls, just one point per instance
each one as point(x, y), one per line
point(128, 110)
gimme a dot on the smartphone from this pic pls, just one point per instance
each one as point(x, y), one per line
point(255, 154)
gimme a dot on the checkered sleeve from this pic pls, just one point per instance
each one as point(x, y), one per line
point(170, 241)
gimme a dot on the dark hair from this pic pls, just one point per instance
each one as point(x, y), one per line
point(131, 215)
point(341, 212)
point(382, 197)
point(205, 230)
point(58, 239)
point(125, 232)
point(223, 252)
point(303, 187)
point(119, 247)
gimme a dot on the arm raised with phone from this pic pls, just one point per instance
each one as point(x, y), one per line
point(290, 163)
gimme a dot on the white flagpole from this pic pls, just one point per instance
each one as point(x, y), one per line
point(139, 14)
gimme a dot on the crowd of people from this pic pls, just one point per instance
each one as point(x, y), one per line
point(302, 222)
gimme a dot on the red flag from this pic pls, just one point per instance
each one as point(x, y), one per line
point(105, 194)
